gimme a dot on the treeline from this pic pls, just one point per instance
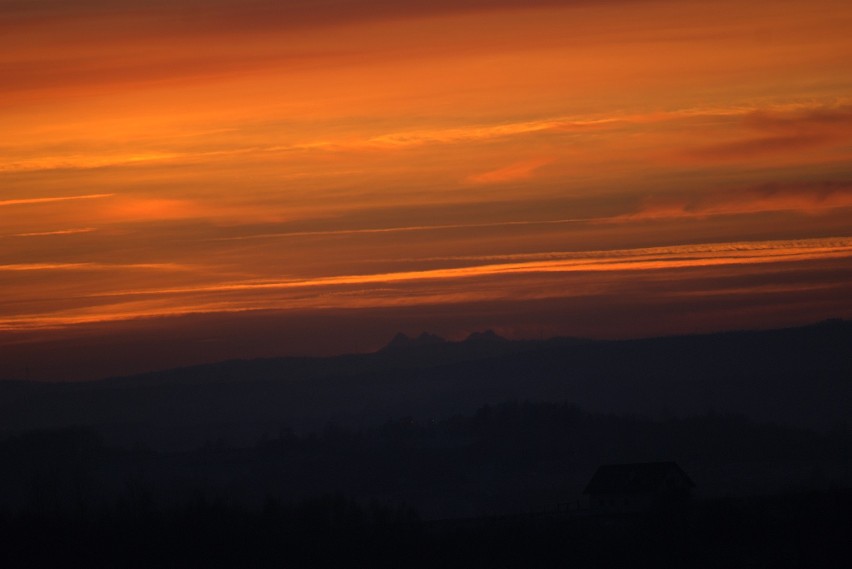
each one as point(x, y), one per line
point(767, 495)
point(513, 457)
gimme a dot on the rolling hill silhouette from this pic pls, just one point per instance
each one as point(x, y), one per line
point(796, 376)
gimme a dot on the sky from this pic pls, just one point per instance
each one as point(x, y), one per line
point(186, 181)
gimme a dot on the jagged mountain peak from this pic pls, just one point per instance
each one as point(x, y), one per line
point(486, 336)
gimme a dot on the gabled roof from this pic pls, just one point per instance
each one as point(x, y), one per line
point(634, 478)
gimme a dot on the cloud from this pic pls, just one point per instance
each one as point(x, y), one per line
point(612, 121)
point(752, 148)
point(466, 133)
point(513, 172)
point(89, 161)
point(22, 267)
point(56, 232)
point(802, 118)
point(145, 209)
point(781, 133)
point(804, 198)
point(402, 229)
point(593, 261)
point(253, 15)
point(131, 66)
point(71, 48)
point(599, 275)
point(134, 209)
point(46, 200)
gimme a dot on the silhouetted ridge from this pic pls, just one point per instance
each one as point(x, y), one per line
point(794, 376)
point(403, 341)
point(618, 479)
point(488, 336)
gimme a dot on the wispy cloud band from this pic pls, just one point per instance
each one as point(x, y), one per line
point(434, 286)
point(53, 199)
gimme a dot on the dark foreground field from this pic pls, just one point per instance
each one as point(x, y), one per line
point(803, 529)
point(397, 496)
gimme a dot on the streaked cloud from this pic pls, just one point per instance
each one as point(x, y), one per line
point(779, 133)
point(520, 278)
point(620, 260)
point(56, 232)
point(84, 162)
point(93, 267)
point(468, 133)
point(54, 199)
point(801, 198)
point(364, 290)
point(744, 249)
point(403, 229)
point(511, 173)
point(221, 15)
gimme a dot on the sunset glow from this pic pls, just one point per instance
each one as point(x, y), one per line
point(611, 169)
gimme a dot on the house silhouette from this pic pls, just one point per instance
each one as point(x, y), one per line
point(637, 487)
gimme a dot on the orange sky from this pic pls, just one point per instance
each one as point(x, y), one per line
point(250, 175)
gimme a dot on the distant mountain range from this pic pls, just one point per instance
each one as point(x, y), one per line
point(403, 342)
point(797, 376)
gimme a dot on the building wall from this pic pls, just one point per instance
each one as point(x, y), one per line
point(622, 502)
